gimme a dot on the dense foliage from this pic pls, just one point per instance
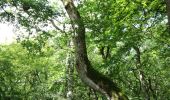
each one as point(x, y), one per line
point(127, 40)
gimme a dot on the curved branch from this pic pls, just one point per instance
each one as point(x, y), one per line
point(87, 73)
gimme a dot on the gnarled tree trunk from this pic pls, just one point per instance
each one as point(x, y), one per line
point(87, 73)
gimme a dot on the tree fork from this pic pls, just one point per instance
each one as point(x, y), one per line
point(87, 73)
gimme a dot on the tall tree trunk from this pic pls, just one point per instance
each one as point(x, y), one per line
point(69, 73)
point(168, 12)
point(145, 82)
point(142, 80)
point(87, 73)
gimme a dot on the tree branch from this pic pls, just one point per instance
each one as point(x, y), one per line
point(56, 27)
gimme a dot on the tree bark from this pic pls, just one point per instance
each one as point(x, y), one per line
point(140, 73)
point(86, 72)
point(69, 73)
point(145, 82)
point(168, 12)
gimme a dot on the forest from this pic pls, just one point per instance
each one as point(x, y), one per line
point(86, 50)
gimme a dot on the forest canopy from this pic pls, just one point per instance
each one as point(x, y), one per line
point(86, 50)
